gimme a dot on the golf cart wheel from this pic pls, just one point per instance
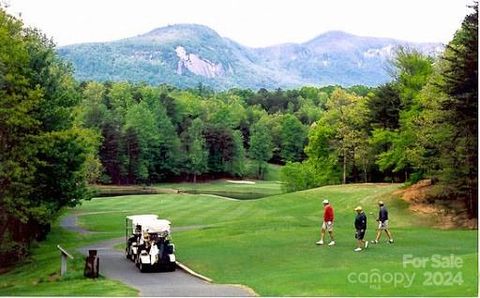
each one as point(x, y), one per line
point(136, 261)
point(127, 254)
point(171, 266)
point(143, 267)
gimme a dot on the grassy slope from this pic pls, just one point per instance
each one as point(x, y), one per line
point(40, 274)
point(267, 244)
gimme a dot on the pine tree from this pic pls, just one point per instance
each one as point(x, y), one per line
point(460, 83)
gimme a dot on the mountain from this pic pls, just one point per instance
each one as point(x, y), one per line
point(340, 58)
point(186, 55)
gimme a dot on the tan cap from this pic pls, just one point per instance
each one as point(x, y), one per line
point(381, 203)
point(358, 208)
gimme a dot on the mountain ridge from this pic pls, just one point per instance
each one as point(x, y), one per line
point(185, 55)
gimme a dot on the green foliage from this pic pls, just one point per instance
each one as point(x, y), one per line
point(273, 172)
point(145, 130)
point(166, 154)
point(346, 116)
point(140, 141)
point(450, 134)
point(260, 147)
point(93, 110)
point(309, 174)
point(322, 166)
point(138, 149)
point(221, 148)
point(360, 90)
point(413, 71)
point(237, 166)
point(309, 111)
point(197, 155)
point(227, 112)
point(297, 176)
point(384, 107)
point(43, 158)
point(61, 175)
point(293, 137)
point(120, 98)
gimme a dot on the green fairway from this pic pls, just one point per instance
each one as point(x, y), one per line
point(237, 189)
point(269, 245)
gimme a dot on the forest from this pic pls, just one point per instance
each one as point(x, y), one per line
point(58, 135)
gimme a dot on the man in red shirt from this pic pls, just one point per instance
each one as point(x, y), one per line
point(327, 223)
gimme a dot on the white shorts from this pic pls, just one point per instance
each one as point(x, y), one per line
point(327, 226)
point(383, 225)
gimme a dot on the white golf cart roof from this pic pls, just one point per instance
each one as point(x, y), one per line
point(138, 219)
point(157, 226)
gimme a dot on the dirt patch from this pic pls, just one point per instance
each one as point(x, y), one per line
point(417, 192)
point(445, 215)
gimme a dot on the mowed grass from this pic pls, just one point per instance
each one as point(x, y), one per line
point(227, 188)
point(39, 275)
point(271, 185)
point(269, 244)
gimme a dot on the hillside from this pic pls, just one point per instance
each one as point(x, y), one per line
point(186, 55)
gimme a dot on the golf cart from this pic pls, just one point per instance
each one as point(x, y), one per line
point(133, 233)
point(148, 243)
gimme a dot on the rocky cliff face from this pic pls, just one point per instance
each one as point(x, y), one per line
point(197, 65)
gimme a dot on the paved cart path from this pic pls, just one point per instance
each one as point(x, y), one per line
point(70, 223)
point(114, 265)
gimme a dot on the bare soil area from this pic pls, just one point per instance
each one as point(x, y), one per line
point(446, 215)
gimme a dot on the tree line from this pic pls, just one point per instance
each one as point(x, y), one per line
point(148, 134)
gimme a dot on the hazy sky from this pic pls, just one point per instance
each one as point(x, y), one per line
point(253, 23)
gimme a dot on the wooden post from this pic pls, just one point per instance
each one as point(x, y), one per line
point(92, 264)
point(63, 259)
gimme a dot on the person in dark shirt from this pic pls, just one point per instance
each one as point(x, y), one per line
point(360, 227)
point(382, 223)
